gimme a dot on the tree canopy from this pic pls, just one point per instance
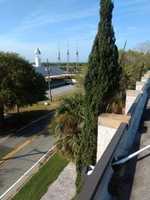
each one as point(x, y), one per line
point(19, 83)
point(101, 83)
point(68, 124)
point(134, 64)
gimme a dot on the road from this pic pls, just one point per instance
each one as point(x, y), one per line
point(33, 144)
point(30, 145)
point(62, 90)
point(13, 140)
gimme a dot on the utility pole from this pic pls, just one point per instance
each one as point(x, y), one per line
point(77, 59)
point(49, 80)
point(68, 58)
point(123, 53)
point(59, 57)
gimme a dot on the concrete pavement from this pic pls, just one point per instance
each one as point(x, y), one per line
point(64, 187)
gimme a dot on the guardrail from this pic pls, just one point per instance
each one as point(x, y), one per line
point(12, 191)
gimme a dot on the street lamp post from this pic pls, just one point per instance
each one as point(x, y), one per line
point(49, 81)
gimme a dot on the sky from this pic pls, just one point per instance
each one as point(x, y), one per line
point(61, 24)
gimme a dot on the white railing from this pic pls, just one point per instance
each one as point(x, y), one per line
point(131, 156)
point(8, 194)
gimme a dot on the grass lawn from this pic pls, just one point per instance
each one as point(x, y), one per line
point(39, 183)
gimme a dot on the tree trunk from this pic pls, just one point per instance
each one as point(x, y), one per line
point(1, 115)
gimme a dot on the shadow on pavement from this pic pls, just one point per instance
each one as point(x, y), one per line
point(26, 155)
point(15, 122)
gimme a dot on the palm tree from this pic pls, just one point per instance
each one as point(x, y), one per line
point(68, 124)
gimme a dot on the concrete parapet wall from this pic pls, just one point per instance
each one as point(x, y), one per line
point(136, 116)
point(107, 126)
point(144, 79)
point(116, 136)
point(140, 86)
point(131, 96)
point(123, 148)
point(109, 123)
point(147, 75)
point(105, 135)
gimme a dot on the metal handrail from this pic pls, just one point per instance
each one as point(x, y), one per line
point(131, 156)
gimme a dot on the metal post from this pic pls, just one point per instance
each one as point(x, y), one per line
point(49, 81)
point(68, 59)
point(77, 60)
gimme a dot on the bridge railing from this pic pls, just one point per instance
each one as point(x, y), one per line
point(97, 186)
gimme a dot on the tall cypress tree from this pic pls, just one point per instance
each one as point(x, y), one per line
point(101, 83)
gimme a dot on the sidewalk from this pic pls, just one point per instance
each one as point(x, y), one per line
point(64, 187)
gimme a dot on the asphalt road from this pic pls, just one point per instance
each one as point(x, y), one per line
point(13, 168)
point(62, 90)
point(12, 140)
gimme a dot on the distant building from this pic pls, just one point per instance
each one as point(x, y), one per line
point(53, 71)
point(57, 75)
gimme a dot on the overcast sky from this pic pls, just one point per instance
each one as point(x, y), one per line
point(53, 24)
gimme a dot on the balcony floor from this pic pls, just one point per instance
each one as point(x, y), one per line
point(141, 182)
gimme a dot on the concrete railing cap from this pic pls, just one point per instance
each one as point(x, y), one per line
point(140, 83)
point(132, 93)
point(112, 120)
